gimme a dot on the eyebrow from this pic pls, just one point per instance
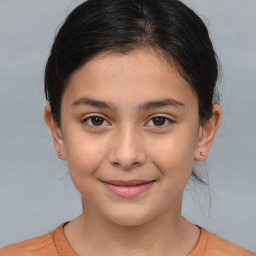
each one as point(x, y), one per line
point(160, 103)
point(143, 107)
point(93, 103)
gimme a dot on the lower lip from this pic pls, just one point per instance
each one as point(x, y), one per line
point(130, 191)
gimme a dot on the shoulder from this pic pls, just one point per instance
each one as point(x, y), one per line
point(37, 246)
point(219, 246)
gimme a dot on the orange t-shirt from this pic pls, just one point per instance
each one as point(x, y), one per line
point(54, 243)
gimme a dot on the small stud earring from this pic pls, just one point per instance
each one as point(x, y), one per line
point(60, 154)
point(202, 153)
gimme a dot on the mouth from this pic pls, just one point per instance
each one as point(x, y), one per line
point(128, 189)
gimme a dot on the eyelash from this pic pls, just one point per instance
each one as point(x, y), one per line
point(85, 121)
point(166, 119)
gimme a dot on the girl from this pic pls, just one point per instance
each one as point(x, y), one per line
point(132, 105)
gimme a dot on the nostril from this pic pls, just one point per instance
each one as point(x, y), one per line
point(126, 166)
point(116, 164)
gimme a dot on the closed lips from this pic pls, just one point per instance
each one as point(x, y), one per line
point(130, 183)
point(128, 189)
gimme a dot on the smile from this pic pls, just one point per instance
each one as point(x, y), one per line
point(127, 189)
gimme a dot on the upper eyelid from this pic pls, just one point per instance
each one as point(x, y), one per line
point(94, 115)
point(161, 115)
point(167, 118)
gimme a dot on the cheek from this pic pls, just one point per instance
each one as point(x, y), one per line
point(84, 156)
point(174, 157)
point(82, 148)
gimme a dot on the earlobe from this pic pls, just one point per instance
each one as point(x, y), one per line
point(56, 133)
point(207, 134)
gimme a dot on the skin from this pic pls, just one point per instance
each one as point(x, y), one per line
point(129, 143)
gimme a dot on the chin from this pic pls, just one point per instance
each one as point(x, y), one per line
point(128, 221)
point(128, 217)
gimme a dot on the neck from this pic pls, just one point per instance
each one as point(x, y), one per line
point(170, 233)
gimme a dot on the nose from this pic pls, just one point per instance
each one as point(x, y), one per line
point(126, 149)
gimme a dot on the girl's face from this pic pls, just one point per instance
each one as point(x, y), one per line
point(130, 133)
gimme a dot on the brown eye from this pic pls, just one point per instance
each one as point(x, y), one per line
point(159, 121)
point(97, 120)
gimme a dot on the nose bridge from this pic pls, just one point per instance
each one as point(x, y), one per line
point(127, 150)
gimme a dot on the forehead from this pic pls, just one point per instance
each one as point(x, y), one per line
point(136, 76)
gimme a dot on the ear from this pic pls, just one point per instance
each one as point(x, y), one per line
point(207, 134)
point(56, 133)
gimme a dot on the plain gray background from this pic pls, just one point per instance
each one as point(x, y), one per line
point(36, 194)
